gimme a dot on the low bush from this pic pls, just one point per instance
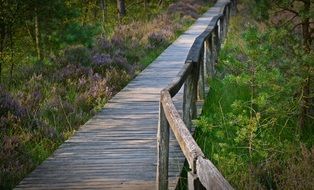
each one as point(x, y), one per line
point(250, 127)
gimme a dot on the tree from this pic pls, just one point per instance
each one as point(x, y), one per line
point(301, 15)
point(10, 18)
point(297, 16)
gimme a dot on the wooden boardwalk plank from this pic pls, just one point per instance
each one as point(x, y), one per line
point(117, 148)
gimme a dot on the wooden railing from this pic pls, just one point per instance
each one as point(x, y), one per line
point(199, 65)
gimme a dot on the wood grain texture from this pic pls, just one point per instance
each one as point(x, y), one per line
point(188, 145)
point(209, 175)
point(117, 148)
point(162, 150)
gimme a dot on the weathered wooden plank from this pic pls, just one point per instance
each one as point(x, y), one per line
point(209, 175)
point(162, 150)
point(188, 145)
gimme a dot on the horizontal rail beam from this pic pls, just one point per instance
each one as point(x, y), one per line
point(187, 143)
point(209, 176)
point(177, 83)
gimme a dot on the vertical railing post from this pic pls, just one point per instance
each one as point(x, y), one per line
point(162, 149)
point(214, 50)
point(227, 18)
point(221, 29)
point(218, 26)
point(216, 42)
point(225, 23)
point(194, 183)
point(209, 57)
point(233, 7)
point(190, 96)
point(201, 78)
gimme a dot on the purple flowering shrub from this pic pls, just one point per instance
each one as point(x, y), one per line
point(9, 105)
point(13, 158)
point(103, 44)
point(160, 37)
point(101, 59)
point(117, 79)
point(12, 116)
point(70, 72)
point(186, 8)
point(32, 93)
point(92, 88)
point(76, 55)
point(110, 54)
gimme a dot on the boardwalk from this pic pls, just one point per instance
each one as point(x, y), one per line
point(116, 149)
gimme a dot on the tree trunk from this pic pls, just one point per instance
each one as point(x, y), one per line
point(86, 3)
point(121, 8)
point(160, 2)
point(37, 36)
point(12, 60)
point(1, 68)
point(306, 33)
point(4, 30)
point(103, 7)
point(103, 14)
point(307, 40)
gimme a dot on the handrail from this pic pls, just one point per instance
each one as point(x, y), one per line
point(200, 63)
point(195, 51)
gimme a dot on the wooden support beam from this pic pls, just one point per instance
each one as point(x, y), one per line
point(201, 77)
point(162, 150)
point(194, 183)
point(209, 175)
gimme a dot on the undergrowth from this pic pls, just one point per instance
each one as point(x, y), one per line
point(250, 123)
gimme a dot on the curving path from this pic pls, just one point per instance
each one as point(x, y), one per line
point(117, 148)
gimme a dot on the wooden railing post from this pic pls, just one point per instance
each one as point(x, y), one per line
point(216, 43)
point(233, 7)
point(227, 18)
point(206, 58)
point(201, 80)
point(221, 29)
point(193, 182)
point(209, 57)
point(214, 49)
point(218, 27)
point(190, 96)
point(162, 150)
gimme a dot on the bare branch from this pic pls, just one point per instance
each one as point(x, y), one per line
point(287, 21)
point(286, 8)
point(295, 26)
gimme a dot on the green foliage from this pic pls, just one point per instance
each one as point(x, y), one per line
point(73, 34)
point(260, 9)
point(250, 124)
point(77, 55)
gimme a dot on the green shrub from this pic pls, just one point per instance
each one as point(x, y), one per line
point(250, 124)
